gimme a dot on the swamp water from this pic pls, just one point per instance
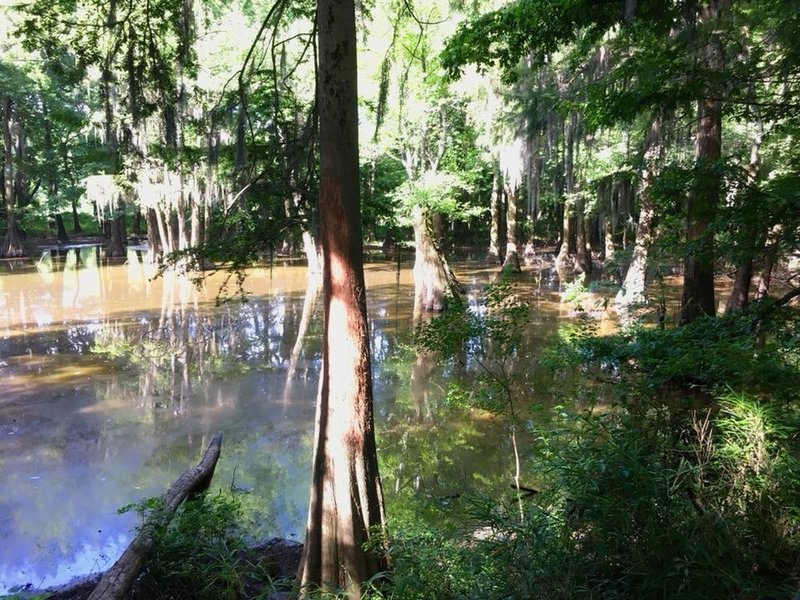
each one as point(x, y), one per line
point(112, 383)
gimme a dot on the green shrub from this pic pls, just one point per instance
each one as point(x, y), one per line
point(199, 553)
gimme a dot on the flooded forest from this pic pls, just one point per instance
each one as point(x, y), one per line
point(399, 299)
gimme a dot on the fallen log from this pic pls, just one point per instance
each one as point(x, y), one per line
point(118, 581)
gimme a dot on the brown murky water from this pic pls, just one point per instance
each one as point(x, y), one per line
point(112, 382)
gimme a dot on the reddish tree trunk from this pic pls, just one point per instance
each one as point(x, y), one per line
point(698, 271)
point(346, 497)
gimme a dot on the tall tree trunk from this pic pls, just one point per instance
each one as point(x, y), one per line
point(494, 256)
point(153, 245)
point(565, 260)
point(12, 246)
point(61, 230)
point(583, 249)
point(76, 222)
point(740, 292)
point(511, 262)
point(701, 206)
point(346, 498)
point(53, 183)
point(119, 236)
point(633, 287)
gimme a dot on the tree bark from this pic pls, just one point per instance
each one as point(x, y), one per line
point(61, 230)
point(770, 258)
point(740, 292)
point(12, 245)
point(633, 288)
point(511, 262)
point(583, 250)
point(118, 581)
point(565, 264)
point(698, 271)
point(433, 281)
point(153, 245)
point(346, 499)
point(494, 256)
point(119, 236)
point(76, 223)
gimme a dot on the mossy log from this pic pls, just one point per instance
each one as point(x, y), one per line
point(118, 581)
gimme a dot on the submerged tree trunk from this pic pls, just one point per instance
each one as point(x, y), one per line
point(511, 262)
point(346, 501)
point(434, 283)
point(565, 263)
point(633, 288)
point(119, 237)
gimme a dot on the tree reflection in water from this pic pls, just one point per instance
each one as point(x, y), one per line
point(112, 381)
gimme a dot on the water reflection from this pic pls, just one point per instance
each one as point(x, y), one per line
point(112, 382)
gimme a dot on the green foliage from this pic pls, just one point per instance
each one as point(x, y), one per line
point(17, 594)
point(490, 330)
point(435, 192)
point(754, 350)
point(649, 503)
point(669, 493)
point(199, 553)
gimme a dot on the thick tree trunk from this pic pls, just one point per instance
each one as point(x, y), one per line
point(313, 252)
point(118, 581)
point(633, 288)
point(195, 219)
point(61, 230)
point(76, 222)
point(698, 271)
point(495, 202)
point(701, 207)
point(433, 281)
point(565, 262)
point(118, 233)
point(740, 292)
point(12, 245)
point(346, 501)
point(153, 245)
point(511, 262)
point(583, 249)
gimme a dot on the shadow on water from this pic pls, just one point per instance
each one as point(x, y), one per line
point(112, 382)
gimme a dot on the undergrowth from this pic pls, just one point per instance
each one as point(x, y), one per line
point(687, 485)
point(199, 554)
